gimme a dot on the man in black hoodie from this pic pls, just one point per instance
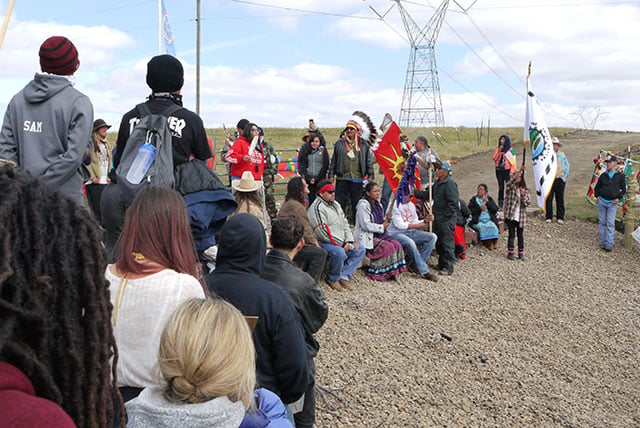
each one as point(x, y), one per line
point(287, 239)
point(281, 362)
point(165, 77)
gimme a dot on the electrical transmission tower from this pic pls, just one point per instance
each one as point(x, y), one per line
point(589, 116)
point(421, 103)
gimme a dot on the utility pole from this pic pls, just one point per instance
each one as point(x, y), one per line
point(421, 102)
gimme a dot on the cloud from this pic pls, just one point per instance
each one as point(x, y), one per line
point(582, 56)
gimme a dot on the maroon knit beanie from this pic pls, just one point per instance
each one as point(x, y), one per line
point(59, 56)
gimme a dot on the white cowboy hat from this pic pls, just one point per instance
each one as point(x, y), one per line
point(247, 183)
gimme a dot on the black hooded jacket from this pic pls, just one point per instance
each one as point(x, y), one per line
point(281, 354)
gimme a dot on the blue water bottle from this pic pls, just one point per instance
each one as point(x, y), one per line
point(145, 157)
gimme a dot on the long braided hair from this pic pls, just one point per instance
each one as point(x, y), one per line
point(54, 300)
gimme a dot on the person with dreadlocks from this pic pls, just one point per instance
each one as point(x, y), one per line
point(56, 340)
point(351, 165)
point(156, 271)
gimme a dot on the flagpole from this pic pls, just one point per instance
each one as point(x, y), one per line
point(5, 24)
point(198, 57)
point(159, 27)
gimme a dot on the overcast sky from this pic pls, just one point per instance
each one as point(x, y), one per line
point(281, 64)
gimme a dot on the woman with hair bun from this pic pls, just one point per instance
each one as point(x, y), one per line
point(207, 362)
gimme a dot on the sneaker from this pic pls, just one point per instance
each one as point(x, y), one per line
point(430, 277)
point(511, 256)
point(446, 272)
point(335, 285)
point(521, 257)
point(345, 284)
point(602, 246)
point(608, 249)
point(560, 221)
point(548, 220)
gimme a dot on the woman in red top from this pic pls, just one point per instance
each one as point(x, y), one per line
point(239, 157)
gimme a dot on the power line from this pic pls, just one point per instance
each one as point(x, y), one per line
point(477, 96)
point(558, 5)
point(306, 11)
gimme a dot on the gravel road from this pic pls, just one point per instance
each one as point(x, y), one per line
point(553, 341)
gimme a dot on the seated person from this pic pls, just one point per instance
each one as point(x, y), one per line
point(311, 258)
point(464, 215)
point(207, 361)
point(334, 234)
point(484, 217)
point(385, 253)
point(410, 231)
point(156, 271)
point(249, 200)
point(278, 337)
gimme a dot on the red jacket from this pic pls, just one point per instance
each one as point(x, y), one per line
point(235, 157)
point(20, 406)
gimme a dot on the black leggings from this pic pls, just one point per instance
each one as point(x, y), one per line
point(514, 227)
point(503, 176)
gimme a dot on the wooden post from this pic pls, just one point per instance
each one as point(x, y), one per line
point(630, 216)
point(5, 24)
point(430, 210)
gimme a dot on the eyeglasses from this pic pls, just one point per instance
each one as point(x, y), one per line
point(254, 130)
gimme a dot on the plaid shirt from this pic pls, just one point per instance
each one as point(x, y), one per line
point(511, 202)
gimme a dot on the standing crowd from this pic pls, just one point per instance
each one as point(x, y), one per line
point(202, 305)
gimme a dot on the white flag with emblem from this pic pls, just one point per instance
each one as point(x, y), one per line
point(544, 159)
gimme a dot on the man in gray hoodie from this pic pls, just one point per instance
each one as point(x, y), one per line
point(48, 124)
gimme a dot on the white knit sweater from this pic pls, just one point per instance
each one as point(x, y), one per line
point(141, 308)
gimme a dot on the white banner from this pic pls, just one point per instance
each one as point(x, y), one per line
point(536, 133)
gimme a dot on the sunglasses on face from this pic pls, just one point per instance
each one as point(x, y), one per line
point(331, 192)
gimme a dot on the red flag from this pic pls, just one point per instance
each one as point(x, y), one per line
point(389, 157)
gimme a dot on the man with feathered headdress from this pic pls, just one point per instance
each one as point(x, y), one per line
point(352, 163)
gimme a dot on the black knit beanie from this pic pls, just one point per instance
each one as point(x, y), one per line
point(59, 56)
point(165, 74)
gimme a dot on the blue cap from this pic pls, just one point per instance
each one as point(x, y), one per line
point(446, 166)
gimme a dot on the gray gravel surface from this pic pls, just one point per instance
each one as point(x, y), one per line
point(553, 341)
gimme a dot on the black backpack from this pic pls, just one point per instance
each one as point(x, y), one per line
point(155, 128)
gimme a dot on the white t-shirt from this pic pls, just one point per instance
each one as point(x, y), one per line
point(141, 308)
point(402, 217)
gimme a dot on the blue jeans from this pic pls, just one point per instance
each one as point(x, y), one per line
point(419, 244)
point(342, 264)
point(607, 222)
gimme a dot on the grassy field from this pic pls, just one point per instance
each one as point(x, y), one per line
point(449, 142)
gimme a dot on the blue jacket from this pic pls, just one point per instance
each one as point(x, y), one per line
point(208, 211)
point(270, 413)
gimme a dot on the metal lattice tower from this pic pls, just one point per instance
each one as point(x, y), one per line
point(589, 116)
point(421, 103)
